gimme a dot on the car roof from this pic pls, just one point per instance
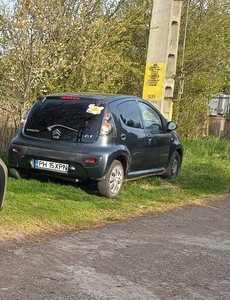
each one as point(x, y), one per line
point(91, 95)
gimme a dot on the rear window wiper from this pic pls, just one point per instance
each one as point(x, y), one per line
point(60, 125)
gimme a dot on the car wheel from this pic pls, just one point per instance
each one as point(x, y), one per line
point(18, 173)
point(173, 167)
point(111, 185)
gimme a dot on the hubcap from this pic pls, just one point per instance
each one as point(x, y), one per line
point(116, 178)
point(174, 166)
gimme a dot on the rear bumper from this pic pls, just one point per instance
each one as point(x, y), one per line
point(80, 166)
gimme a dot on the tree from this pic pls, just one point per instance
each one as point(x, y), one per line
point(206, 61)
point(34, 42)
point(71, 45)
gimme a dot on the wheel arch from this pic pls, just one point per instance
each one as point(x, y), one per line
point(124, 161)
point(179, 150)
point(172, 169)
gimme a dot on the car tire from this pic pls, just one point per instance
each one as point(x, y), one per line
point(173, 167)
point(3, 182)
point(18, 173)
point(111, 184)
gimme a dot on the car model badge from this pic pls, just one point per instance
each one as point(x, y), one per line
point(56, 133)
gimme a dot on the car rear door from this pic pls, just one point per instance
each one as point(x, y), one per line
point(130, 132)
point(158, 139)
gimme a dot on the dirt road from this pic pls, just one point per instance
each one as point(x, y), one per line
point(179, 255)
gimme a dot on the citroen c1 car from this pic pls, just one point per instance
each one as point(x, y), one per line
point(102, 137)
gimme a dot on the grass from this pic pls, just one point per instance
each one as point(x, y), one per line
point(40, 208)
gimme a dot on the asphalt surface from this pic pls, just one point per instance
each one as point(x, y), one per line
point(181, 255)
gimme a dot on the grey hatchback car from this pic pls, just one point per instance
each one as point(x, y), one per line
point(102, 137)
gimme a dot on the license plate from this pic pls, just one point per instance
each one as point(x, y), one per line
point(51, 166)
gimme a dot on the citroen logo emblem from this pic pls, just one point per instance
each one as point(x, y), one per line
point(56, 134)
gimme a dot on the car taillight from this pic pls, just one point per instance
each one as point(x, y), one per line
point(24, 118)
point(106, 128)
point(22, 122)
point(107, 117)
point(16, 149)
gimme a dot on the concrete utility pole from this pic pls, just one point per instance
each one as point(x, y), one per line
point(162, 55)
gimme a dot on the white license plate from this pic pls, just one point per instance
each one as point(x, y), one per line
point(51, 166)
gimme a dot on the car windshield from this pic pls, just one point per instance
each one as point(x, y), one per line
point(68, 120)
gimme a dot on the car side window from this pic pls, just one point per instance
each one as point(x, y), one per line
point(151, 118)
point(129, 114)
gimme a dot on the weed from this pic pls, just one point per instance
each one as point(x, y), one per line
point(38, 206)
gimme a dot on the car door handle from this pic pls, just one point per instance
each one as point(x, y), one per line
point(149, 137)
point(123, 136)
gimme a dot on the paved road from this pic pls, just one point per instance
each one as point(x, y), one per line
point(179, 255)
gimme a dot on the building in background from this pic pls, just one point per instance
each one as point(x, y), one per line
point(219, 115)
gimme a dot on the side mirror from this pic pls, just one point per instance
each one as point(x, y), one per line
point(3, 182)
point(171, 126)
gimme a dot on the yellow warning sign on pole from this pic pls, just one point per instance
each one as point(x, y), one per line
point(154, 81)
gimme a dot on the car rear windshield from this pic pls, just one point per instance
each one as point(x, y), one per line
point(68, 120)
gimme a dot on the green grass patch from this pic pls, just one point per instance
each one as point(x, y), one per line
point(39, 206)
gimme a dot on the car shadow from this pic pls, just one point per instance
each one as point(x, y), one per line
point(88, 186)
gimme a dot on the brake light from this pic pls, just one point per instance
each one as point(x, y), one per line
point(107, 117)
point(70, 98)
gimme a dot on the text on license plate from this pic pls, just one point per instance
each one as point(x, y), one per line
point(51, 166)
